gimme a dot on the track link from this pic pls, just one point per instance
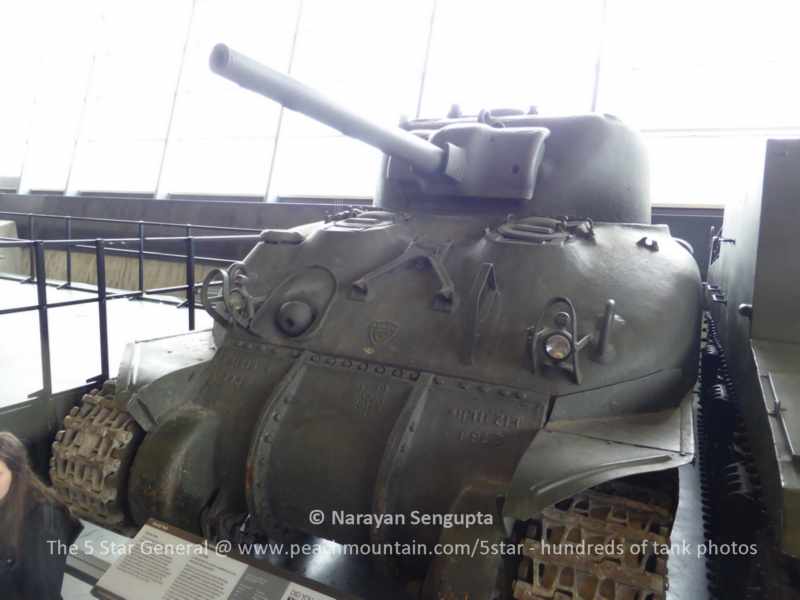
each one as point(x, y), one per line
point(602, 544)
point(91, 458)
point(733, 490)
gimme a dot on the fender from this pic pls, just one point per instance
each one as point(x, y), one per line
point(567, 457)
point(160, 374)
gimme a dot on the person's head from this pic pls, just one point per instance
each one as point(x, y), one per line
point(14, 465)
point(6, 478)
point(19, 485)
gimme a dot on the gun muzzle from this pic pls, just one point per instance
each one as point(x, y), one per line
point(250, 74)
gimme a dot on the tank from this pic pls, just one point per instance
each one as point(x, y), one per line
point(751, 382)
point(488, 368)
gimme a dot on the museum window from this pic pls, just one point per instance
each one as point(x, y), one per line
point(707, 83)
point(117, 96)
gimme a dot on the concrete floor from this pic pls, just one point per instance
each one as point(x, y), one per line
point(74, 336)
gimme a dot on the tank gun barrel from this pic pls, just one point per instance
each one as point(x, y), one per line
point(287, 91)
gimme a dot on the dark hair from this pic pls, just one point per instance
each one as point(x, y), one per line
point(26, 489)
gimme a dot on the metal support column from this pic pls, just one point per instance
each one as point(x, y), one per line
point(102, 308)
point(44, 326)
point(68, 231)
point(190, 284)
point(32, 258)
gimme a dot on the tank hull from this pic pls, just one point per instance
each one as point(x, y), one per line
point(381, 394)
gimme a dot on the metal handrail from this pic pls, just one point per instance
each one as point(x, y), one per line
point(140, 239)
point(126, 221)
point(101, 248)
point(14, 242)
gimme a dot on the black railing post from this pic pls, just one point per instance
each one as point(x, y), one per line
point(68, 226)
point(44, 326)
point(141, 257)
point(33, 248)
point(190, 275)
point(101, 307)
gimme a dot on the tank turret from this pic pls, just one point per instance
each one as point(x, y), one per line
point(496, 162)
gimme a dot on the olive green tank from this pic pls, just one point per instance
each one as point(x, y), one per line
point(502, 336)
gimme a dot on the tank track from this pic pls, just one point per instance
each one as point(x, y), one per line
point(734, 510)
point(620, 516)
point(91, 459)
point(731, 507)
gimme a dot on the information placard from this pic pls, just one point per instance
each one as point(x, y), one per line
point(165, 563)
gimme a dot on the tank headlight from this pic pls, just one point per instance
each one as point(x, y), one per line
point(558, 346)
point(237, 301)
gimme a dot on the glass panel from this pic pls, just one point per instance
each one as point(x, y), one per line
point(118, 166)
point(513, 53)
point(47, 163)
point(222, 166)
point(329, 166)
point(64, 48)
point(713, 64)
point(19, 72)
point(136, 69)
point(703, 171)
point(218, 125)
point(368, 56)
point(138, 55)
